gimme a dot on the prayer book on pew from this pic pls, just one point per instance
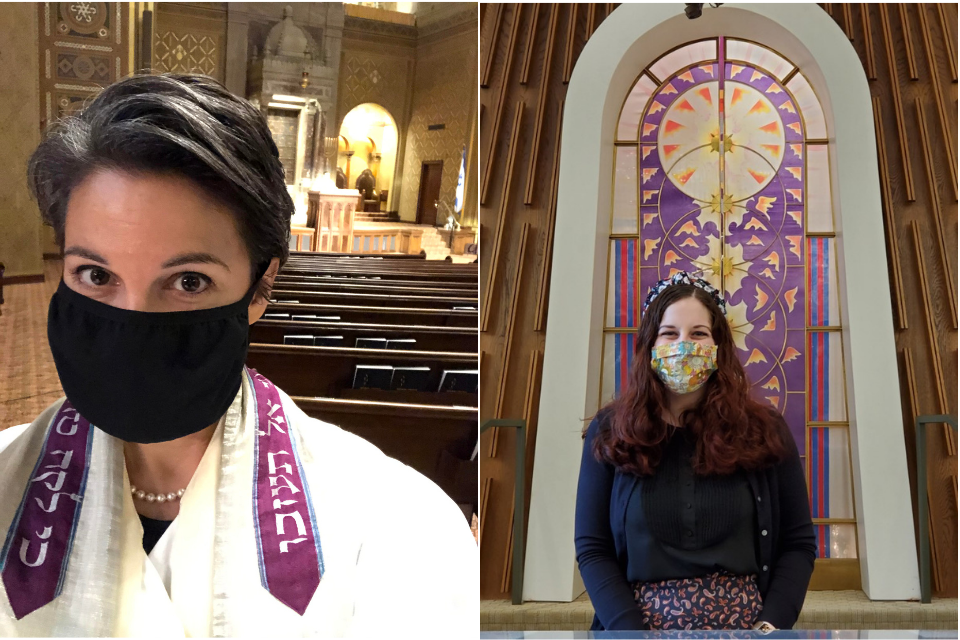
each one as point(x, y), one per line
point(301, 340)
point(460, 380)
point(316, 318)
point(328, 341)
point(371, 343)
point(288, 301)
point(464, 308)
point(277, 316)
point(402, 343)
point(412, 378)
point(372, 376)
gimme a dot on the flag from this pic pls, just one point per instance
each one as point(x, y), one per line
point(458, 200)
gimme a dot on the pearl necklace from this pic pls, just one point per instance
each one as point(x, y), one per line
point(140, 494)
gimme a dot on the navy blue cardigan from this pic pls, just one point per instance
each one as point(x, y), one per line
point(784, 537)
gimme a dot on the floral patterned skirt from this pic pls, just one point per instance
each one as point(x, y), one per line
point(713, 602)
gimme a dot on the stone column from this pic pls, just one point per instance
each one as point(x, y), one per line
point(236, 59)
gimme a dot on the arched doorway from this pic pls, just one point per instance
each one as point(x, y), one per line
point(368, 140)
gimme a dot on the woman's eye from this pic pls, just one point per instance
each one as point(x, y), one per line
point(192, 283)
point(94, 276)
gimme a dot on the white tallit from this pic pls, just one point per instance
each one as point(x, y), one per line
point(398, 556)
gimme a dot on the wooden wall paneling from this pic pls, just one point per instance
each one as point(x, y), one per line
point(529, 396)
point(945, 121)
point(909, 427)
point(491, 51)
point(543, 288)
point(941, 232)
point(568, 57)
point(934, 546)
point(828, 7)
point(529, 48)
point(513, 294)
point(891, 231)
point(871, 60)
point(908, 42)
point(591, 20)
point(512, 152)
point(847, 21)
point(533, 382)
point(897, 103)
point(531, 403)
point(499, 107)
point(505, 582)
point(542, 94)
point(949, 48)
point(932, 333)
point(932, 507)
point(486, 488)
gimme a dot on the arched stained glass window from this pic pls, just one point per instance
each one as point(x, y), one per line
point(721, 165)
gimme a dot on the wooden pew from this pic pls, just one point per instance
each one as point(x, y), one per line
point(383, 297)
point(420, 436)
point(460, 339)
point(373, 286)
point(444, 272)
point(385, 256)
point(328, 372)
point(309, 296)
point(419, 276)
point(382, 315)
point(306, 278)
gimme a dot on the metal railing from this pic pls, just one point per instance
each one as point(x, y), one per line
point(519, 510)
point(922, 507)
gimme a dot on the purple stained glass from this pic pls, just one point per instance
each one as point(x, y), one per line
point(721, 174)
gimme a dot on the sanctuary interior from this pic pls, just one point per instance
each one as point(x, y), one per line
point(599, 127)
point(372, 107)
point(372, 323)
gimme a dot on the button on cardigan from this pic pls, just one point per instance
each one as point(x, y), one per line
point(784, 536)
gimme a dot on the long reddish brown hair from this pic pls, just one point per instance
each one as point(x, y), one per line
point(732, 429)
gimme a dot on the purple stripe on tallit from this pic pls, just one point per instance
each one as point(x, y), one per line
point(291, 561)
point(38, 544)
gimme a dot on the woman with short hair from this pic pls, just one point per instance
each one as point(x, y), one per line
point(692, 508)
point(173, 491)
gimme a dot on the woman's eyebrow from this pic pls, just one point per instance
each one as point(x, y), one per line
point(193, 258)
point(85, 253)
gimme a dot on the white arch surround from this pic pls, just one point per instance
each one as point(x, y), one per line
point(633, 37)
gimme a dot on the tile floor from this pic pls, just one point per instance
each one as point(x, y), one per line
point(28, 377)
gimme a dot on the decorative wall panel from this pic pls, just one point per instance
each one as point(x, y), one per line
point(84, 46)
point(189, 40)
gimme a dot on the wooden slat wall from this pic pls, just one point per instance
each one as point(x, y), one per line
point(908, 56)
point(528, 54)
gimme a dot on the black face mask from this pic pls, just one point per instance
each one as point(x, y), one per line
point(144, 376)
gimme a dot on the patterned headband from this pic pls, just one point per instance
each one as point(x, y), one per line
point(683, 277)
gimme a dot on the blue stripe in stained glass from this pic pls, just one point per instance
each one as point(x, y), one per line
point(824, 279)
point(616, 362)
point(814, 473)
point(631, 282)
point(815, 386)
point(826, 376)
point(826, 473)
point(617, 301)
point(814, 304)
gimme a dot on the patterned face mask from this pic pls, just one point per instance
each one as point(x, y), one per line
point(684, 366)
